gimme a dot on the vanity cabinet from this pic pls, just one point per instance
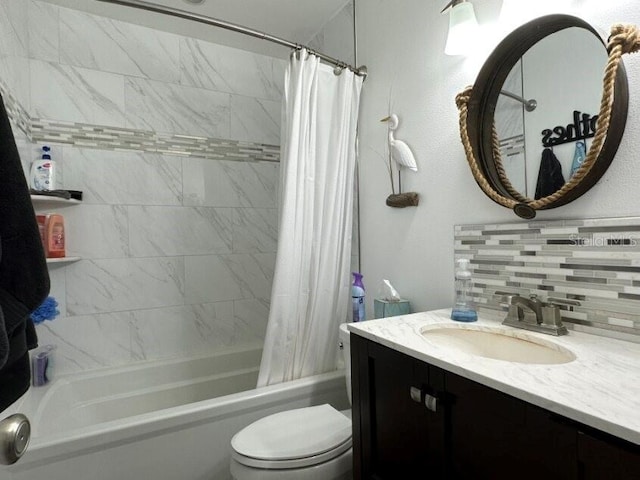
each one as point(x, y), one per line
point(603, 456)
point(492, 435)
point(409, 416)
point(395, 435)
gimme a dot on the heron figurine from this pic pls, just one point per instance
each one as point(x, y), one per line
point(402, 156)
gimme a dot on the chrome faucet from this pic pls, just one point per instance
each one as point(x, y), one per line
point(528, 310)
point(535, 315)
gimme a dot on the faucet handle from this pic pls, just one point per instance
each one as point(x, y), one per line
point(552, 320)
point(563, 302)
point(506, 298)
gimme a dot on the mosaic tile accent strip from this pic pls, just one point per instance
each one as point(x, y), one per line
point(595, 262)
point(512, 146)
point(15, 112)
point(126, 139)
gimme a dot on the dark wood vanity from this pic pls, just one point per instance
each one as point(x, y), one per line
point(411, 417)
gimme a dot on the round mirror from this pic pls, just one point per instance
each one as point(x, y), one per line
point(534, 108)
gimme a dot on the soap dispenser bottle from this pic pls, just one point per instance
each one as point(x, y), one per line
point(43, 172)
point(462, 309)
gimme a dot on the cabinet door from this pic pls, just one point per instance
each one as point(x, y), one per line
point(395, 435)
point(603, 457)
point(494, 435)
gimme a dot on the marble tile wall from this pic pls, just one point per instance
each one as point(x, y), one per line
point(14, 49)
point(594, 262)
point(175, 144)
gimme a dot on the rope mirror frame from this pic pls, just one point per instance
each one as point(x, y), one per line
point(477, 104)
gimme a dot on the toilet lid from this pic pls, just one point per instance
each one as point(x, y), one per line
point(294, 434)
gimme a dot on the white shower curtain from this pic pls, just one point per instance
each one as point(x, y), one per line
point(310, 292)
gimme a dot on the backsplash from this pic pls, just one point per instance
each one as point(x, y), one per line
point(593, 261)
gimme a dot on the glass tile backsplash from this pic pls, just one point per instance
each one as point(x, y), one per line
point(593, 261)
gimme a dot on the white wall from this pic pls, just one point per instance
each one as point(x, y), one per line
point(335, 38)
point(402, 44)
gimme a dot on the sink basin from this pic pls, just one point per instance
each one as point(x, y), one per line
point(498, 344)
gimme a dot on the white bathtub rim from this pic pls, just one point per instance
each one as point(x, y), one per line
point(35, 400)
point(159, 389)
point(117, 432)
point(157, 362)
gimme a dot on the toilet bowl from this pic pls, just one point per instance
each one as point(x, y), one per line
point(311, 443)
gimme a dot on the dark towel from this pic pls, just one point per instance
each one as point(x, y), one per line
point(550, 177)
point(24, 278)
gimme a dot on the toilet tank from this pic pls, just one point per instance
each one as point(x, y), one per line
point(346, 353)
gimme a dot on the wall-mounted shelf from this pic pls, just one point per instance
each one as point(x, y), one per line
point(62, 261)
point(47, 201)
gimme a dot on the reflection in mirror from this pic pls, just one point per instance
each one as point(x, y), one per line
point(559, 77)
point(563, 74)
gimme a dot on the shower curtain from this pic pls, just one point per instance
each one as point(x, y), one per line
point(310, 292)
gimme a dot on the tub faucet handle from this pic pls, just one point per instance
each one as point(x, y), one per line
point(15, 432)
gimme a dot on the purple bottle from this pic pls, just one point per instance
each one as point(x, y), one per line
point(357, 297)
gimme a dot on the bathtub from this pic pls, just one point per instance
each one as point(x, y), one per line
point(160, 420)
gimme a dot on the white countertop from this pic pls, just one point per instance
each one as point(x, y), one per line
point(600, 388)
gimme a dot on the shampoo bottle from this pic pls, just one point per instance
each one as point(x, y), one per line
point(357, 298)
point(54, 236)
point(43, 172)
point(462, 309)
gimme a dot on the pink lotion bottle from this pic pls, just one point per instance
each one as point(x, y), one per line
point(54, 236)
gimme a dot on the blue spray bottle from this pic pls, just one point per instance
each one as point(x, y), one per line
point(357, 297)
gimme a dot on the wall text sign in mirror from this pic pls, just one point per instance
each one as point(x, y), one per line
point(583, 126)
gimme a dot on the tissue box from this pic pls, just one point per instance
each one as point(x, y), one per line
point(384, 308)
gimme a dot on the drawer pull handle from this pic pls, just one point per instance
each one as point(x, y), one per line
point(430, 402)
point(419, 396)
point(416, 394)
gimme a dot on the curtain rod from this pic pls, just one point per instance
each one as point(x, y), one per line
point(529, 105)
point(175, 12)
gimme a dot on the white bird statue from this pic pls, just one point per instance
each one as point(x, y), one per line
point(401, 154)
point(399, 150)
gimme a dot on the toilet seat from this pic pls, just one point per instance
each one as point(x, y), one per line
point(293, 439)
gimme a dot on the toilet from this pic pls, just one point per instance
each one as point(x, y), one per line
point(311, 443)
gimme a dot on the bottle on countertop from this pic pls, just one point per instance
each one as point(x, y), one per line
point(43, 172)
point(463, 311)
point(357, 298)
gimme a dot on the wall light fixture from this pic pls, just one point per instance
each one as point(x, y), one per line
point(463, 27)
